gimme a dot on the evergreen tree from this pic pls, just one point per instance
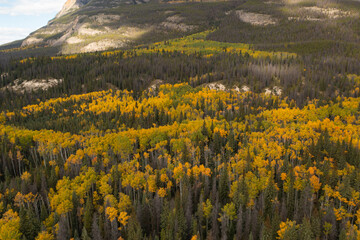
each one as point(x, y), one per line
point(85, 235)
point(167, 223)
point(29, 223)
point(88, 221)
point(63, 232)
point(180, 220)
point(95, 229)
point(305, 231)
point(224, 186)
point(134, 229)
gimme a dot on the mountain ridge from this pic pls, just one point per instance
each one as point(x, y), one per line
point(96, 25)
point(71, 5)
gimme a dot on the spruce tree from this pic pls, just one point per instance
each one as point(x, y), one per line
point(305, 231)
point(29, 223)
point(84, 234)
point(89, 209)
point(224, 186)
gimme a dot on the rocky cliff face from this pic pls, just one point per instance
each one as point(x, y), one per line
point(71, 5)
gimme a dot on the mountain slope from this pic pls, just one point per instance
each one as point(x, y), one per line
point(97, 25)
point(87, 26)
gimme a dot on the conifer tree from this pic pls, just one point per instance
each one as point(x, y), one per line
point(88, 215)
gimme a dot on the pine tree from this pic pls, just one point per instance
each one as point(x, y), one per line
point(342, 235)
point(224, 186)
point(29, 223)
point(204, 130)
point(305, 231)
point(266, 232)
point(167, 223)
point(316, 224)
point(134, 231)
point(87, 220)
point(270, 192)
point(232, 142)
point(95, 230)
point(217, 143)
point(180, 220)
point(291, 233)
point(85, 235)
point(43, 212)
point(63, 232)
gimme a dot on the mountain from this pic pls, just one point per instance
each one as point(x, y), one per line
point(97, 25)
point(87, 26)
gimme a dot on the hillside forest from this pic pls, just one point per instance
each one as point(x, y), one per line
point(234, 132)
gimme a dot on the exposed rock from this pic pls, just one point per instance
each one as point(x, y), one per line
point(315, 13)
point(102, 45)
point(70, 30)
point(32, 85)
point(216, 86)
point(155, 84)
point(245, 88)
point(175, 19)
point(274, 91)
point(236, 89)
point(67, 31)
point(53, 28)
point(331, 13)
point(255, 19)
point(277, 90)
point(306, 18)
point(174, 23)
point(242, 89)
point(74, 40)
point(109, 39)
point(178, 26)
point(221, 87)
point(85, 30)
point(31, 41)
point(268, 91)
point(70, 6)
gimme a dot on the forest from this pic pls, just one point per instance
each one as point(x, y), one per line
point(233, 131)
point(180, 163)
